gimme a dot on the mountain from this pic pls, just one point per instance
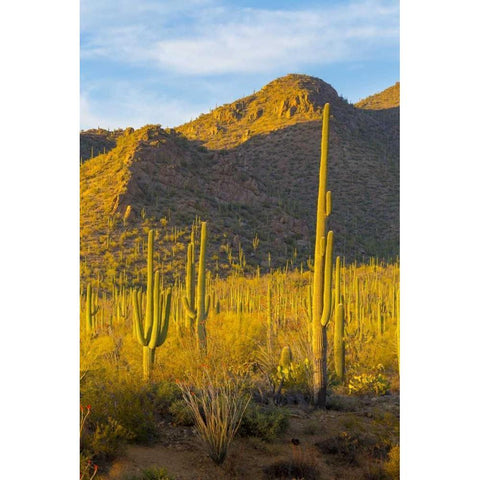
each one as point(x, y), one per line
point(389, 98)
point(96, 141)
point(250, 168)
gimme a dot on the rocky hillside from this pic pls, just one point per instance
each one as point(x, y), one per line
point(389, 98)
point(96, 141)
point(251, 169)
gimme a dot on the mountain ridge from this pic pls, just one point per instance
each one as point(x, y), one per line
point(258, 183)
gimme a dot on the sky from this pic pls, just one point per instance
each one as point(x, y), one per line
point(166, 62)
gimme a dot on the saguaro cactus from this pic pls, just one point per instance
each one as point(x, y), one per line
point(269, 318)
point(197, 308)
point(190, 281)
point(397, 302)
point(322, 276)
point(90, 310)
point(338, 340)
point(152, 331)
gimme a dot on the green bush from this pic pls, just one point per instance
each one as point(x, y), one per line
point(182, 414)
point(368, 383)
point(262, 422)
point(131, 405)
point(165, 394)
point(107, 441)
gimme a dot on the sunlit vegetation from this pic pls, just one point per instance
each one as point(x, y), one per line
point(178, 335)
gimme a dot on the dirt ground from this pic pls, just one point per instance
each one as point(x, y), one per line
point(348, 442)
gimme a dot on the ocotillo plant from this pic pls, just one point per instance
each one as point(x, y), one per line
point(322, 276)
point(152, 331)
point(90, 310)
point(198, 311)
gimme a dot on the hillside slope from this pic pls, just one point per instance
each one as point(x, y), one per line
point(251, 169)
point(388, 98)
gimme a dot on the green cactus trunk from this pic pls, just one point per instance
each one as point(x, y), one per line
point(203, 304)
point(339, 332)
point(90, 311)
point(197, 309)
point(269, 319)
point(148, 362)
point(339, 343)
point(190, 281)
point(322, 276)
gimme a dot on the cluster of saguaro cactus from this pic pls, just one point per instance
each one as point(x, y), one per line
point(151, 331)
point(196, 302)
point(322, 276)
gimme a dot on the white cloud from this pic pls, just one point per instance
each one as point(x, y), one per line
point(129, 107)
point(222, 40)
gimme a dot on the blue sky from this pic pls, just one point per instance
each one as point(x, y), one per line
point(148, 61)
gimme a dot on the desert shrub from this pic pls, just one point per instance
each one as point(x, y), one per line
point(375, 472)
point(369, 383)
point(218, 404)
point(165, 395)
point(341, 403)
point(129, 404)
point(182, 413)
point(344, 447)
point(151, 473)
point(262, 422)
point(392, 465)
point(88, 469)
point(292, 470)
point(108, 440)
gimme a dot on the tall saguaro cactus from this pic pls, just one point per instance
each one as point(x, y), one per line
point(322, 276)
point(190, 280)
point(152, 331)
point(197, 308)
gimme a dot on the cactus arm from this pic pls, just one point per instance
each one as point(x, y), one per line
point(328, 205)
point(166, 301)
point(327, 292)
point(207, 307)
point(190, 312)
point(137, 322)
point(157, 308)
point(339, 342)
point(337, 281)
point(201, 270)
point(150, 281)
